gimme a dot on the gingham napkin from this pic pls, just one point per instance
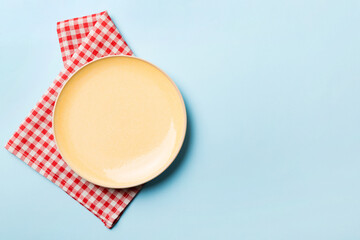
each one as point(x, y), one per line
point(81, 40)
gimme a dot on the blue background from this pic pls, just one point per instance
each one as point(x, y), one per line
point(272, 92)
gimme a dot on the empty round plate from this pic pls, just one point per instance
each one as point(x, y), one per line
point(119, 121)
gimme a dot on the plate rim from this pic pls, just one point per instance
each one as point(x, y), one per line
point(152, 175)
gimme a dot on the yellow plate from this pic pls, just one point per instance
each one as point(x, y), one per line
point(119, 121)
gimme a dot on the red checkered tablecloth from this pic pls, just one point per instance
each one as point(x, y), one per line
point(81, 40)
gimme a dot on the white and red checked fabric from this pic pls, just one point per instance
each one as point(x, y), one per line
point(81, 40)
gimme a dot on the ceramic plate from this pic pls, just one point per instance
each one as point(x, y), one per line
point(119, 121)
